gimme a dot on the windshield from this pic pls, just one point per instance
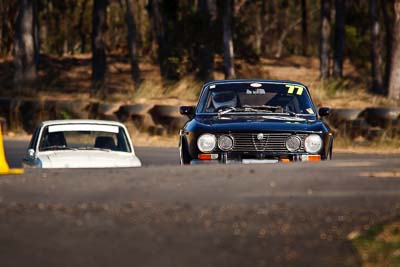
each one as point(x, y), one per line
point(258, 97)
point(84, 137)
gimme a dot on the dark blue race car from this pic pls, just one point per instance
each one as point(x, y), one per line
point(254, 121)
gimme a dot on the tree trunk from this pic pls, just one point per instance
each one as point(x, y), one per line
point(43, 33)
point(206, 53)
point(266, 26)
point(259, 29)
point(394, 82)
point(25, 48)
point(325, 39)
point(130, 22)
point(388, 42)
point(228, 40)
point(2, 29)
point(340, 7)
point(282, 30)
point(81, 22)
point(283, 35)
point(36, 35)
point(304, 27)
point(376, 49)
point(65, 50)
point(159, 30)
point(99, 63)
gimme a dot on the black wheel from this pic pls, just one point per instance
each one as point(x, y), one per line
point(184, 153)
point(329, 157)
point(330, 154)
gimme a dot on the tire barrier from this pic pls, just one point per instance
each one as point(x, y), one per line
point(166, 111)
point(107, 111)
point(25, 114)
point(381, 117)
point(371, 123)
point(168, 117)
point(342, 115)
point(138, 113)
point(143, 122)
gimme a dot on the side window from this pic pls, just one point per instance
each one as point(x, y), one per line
point(43, 139)
point(123, 144)
point(34, 138)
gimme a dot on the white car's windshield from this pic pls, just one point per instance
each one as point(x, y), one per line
point(231, 98)
point(84, 137)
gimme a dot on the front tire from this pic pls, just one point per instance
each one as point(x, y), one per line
point(184, 153)
point(329, 156)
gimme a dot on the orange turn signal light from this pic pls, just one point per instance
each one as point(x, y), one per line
point(207, 156)
point(314, 157)
point(285, 160)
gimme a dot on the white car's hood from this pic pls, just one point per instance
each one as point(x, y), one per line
point(87, 159)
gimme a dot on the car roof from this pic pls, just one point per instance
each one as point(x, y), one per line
point(252, 81)
point(80, 121)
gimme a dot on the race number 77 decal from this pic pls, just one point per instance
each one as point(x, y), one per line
point(292, 88)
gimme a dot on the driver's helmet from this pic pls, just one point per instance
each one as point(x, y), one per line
point(224, 99)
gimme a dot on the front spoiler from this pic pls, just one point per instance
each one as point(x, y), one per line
point(298, 158)
point(201, 162)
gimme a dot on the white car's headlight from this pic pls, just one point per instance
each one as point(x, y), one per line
point(206, 142)
point(293, 143)
point(225, 142)
point(313, 143)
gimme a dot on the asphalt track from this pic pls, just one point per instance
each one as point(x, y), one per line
point(164, 215)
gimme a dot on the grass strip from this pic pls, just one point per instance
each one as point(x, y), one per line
point(379, 246)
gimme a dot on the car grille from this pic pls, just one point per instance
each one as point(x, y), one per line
point(263, 142)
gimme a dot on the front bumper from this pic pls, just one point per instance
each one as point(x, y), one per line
point(224, 159)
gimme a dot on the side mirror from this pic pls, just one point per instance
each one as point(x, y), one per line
point(322, 112)
point(31, 153)
point(187, 111)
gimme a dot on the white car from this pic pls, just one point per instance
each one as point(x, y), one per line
point(80, 144)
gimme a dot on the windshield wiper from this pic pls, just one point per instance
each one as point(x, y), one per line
point(292, 113)
point(262, 107)
point(247, 108)
point(272, 108)
point(227, 110)
point(56, 148)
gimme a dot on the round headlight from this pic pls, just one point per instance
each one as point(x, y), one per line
point(293, 143)
point(225, 142)
point(206, 142)
point(313, 143)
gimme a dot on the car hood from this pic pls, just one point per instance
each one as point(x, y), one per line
point(87, 159)
point(258, 124)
